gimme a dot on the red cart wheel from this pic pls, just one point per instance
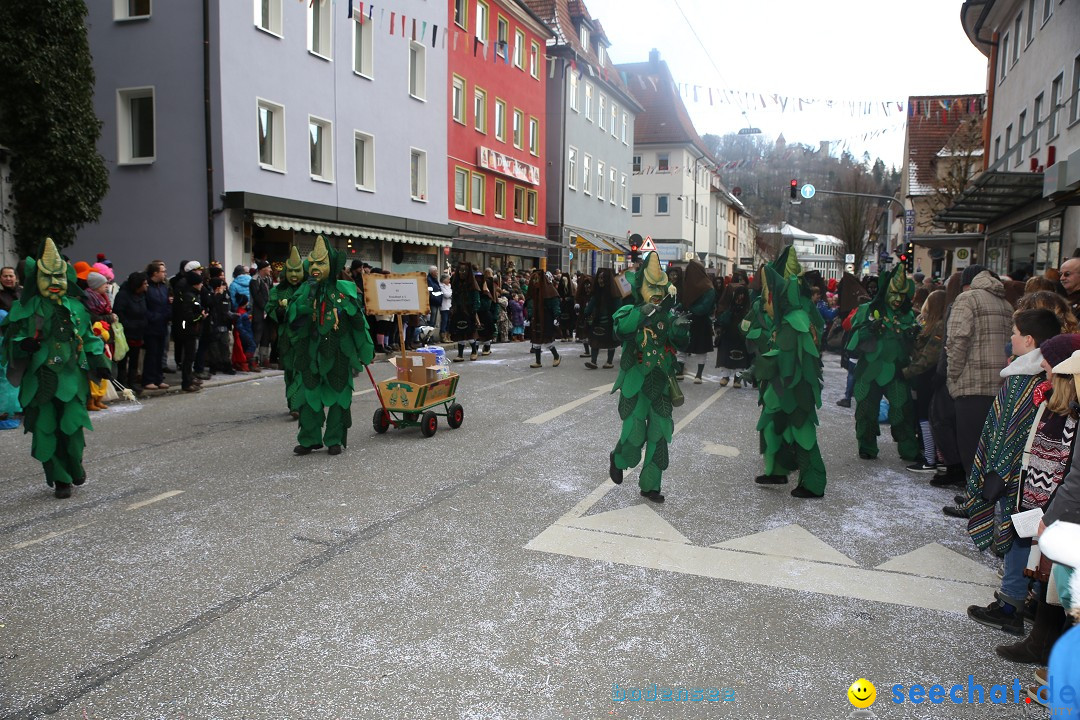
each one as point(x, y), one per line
point(429, 423)
point(381, 421)
point(455, 414)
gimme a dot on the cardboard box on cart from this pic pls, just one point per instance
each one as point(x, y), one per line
point(417, 368)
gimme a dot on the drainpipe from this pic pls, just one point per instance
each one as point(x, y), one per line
point(562, 153)
point(991, 84)
point(207, 126)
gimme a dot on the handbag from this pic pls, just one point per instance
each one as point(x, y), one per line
point(120, 343)
point(677, 397)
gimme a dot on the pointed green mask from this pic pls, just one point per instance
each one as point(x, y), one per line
point(294, 268)
point(319, 260)
point(52, 280)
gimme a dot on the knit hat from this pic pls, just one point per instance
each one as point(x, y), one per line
point(105, 270)
point(260, 264)
point(192, 265)
point(193, 277)
point(95, 280)
point(82, 269)
point(969, 274)
point(1059, 351)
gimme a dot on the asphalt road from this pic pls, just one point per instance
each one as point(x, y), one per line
point(491, 571)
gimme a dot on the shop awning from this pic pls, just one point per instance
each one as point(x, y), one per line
point(992, 195)
point(948, 241)
point(585, 241)
point(322, 227)
point(503, 237)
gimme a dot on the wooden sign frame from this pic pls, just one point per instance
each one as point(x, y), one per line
point(391, 291)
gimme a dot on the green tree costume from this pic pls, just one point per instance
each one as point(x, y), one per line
point(281, 295)
point(883, 332)
point(50, 349)
point(651, 332)
point(330, 341)
point(785, 326)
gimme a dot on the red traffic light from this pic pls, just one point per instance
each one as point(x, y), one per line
point(794, 183)
point(633, 248)
point(794, 188)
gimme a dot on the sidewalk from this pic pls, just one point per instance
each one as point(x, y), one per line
point(217, 380)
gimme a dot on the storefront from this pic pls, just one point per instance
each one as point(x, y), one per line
point(592, 252)
point(497, 249)
point(1034, 244)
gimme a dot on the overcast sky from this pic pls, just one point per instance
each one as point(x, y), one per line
point(857, 50)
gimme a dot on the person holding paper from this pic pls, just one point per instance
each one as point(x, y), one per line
point(1045, 461)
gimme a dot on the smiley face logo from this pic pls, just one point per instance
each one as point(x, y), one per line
point(862, 693)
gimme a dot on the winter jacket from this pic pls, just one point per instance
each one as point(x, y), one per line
point(243, 329)
point(158, 309)
point(189, 313)
point(259, 287)
point(132, 311)
point(240, 286)
point(978, 328)
point(927, 349)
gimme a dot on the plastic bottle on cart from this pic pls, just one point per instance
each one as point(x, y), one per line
point(441, 361)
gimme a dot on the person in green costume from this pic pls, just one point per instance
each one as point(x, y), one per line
point(281, 296)
point(652, 332)
point(50, 352)
point(330, 341)
point(785, 327)
point(883, 332)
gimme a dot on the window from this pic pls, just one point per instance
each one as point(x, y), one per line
point(599, 180)
point(519, 50)
point(1008, 143)
point(583, 36)
point(363, 48)
point(1030, 22)
point(1016, 35)
point(586, 175)
point(1055, 100)
point(482, 22)
point(662, 204)
point(461, 14)
point(519, 121)
point(321, 149)
point(622, 190)
point(613, 177)
point(1036, 115)
point(417, 70)
point(267, 15)
point(624, 124)
point(534, 136)
point(1020, 137)
point(461, 188)
point(457, 99)
point(139, 9)
point(135, 126)
point(418, 174)
point(588, 102)
point(1074, 105)
point(320, 30)
point(601, 55)
point(480, 110)
point(478, 193)
point(1004, 57)
point(1048, 9)
point(530, 213)
point(500, 199)
point(271, 120)
point(519, 204)
point(364, 157)
point(500, 120)
point(637, 163)
point(534, 60)
point(503, 38)
point(661, 162)
point(614, 120)
point(573, 90)
point(601, 118)
point(571, 168)
point(997, 148)
point(635, 205)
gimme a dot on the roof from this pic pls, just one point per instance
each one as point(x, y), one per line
point(665, 120)
point(933, 120)
point(992, 195)
point(561, 18)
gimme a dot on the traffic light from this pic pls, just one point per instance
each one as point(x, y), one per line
point(910, 251)
point(794, 189)
point(635, 244)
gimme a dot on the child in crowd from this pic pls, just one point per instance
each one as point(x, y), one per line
point(221, 327)
point(503, 321)
point(243, 355)
point(516, 310)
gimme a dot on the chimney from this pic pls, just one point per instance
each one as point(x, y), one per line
point(654, 57)
point(825, 147)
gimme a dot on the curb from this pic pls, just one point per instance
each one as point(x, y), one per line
point(207, 384)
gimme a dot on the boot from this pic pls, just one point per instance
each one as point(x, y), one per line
point(91, 404)
point(555, 354)
point(1035, 648)
point(537, 363)
point(473, 354)
point(697, 378)
point(254, 363)
point(460, 353)
point(585, 352)
point(487, 349)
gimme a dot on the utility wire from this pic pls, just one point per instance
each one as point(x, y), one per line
point(708, 54)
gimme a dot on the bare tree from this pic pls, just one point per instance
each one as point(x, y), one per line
point(854, 219)
point(957, 164)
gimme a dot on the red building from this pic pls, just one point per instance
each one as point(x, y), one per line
point(495, 141)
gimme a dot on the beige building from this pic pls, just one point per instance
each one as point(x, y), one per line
point(1028, 198)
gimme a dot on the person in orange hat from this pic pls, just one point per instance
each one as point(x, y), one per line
point(82, 270)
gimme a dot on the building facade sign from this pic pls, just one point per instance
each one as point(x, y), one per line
point(505, 165)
